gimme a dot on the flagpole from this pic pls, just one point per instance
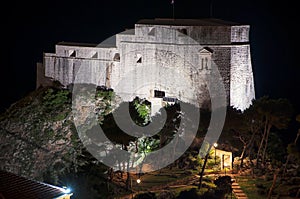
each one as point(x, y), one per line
point(173, 11)
point(173, 5)
point(211, 8)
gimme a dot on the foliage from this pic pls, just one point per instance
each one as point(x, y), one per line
point(276, 150)
point(143, 109)
point(294, 151)
point(166, 195)
point(147, 195)
point(148, 144)
point(54, 98)
point(191, 194)
point(41, 130)
point(223, 184)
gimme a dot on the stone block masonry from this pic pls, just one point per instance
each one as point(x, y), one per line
point(163, 48)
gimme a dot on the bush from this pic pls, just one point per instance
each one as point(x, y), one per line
point(148, 195)
point(166, 195)
point(191, 194)
point(223, 184)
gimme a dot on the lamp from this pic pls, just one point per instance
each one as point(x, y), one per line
point(215, 146)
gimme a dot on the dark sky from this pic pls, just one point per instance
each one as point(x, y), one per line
point(29, 30)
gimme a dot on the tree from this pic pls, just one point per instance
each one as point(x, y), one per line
point(206, 149)
point(241, 126)
point(275, 113)
point(294, 144)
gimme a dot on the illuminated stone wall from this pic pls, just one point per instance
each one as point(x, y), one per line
point(162, 52)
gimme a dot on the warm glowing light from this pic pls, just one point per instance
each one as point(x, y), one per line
point(138, 181)
point(215, 145)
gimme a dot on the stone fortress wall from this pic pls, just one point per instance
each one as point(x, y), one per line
point(175, 54)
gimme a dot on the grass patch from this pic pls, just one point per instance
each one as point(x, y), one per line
point(161, 178)
point(249, 186)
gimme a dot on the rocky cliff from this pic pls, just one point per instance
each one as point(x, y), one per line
point(38, 137)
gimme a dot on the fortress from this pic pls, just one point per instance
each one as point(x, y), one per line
point(156, 47)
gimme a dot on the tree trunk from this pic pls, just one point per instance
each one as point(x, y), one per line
point(250, 151)
point(242, 156)
point(289, 156)
point(273, 184)
point(203, 168)
point(261, 143)
point(128, 181)
point(266, 143)
point(175, 145)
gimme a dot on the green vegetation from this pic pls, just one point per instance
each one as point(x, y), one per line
point(38, 135)
point(254, 188)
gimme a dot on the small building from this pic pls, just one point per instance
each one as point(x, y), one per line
point(226, 159)
point(16, 187)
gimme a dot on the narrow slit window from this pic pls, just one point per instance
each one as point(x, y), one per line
point(206, 63)
point(139, 58)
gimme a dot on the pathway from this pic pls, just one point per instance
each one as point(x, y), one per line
point(237, 191)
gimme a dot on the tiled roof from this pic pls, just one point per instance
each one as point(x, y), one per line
point(17, 187)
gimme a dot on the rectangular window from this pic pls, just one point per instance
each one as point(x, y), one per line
point(169, 99)
point(159, 94)
point(72, 53)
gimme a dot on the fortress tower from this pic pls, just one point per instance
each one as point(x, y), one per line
point(165, 43)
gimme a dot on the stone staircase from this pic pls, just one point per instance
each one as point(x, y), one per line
point(237, 191)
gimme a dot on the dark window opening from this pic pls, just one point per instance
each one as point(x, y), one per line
point(95, 56)
point(169, 99)
point(117, 57)
point(159, 94)
point(139, 60)
point(204, 63)
point(152, 32)
point(183, 31)
point(73, 53)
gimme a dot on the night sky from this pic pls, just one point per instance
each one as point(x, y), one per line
point(31, 30)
